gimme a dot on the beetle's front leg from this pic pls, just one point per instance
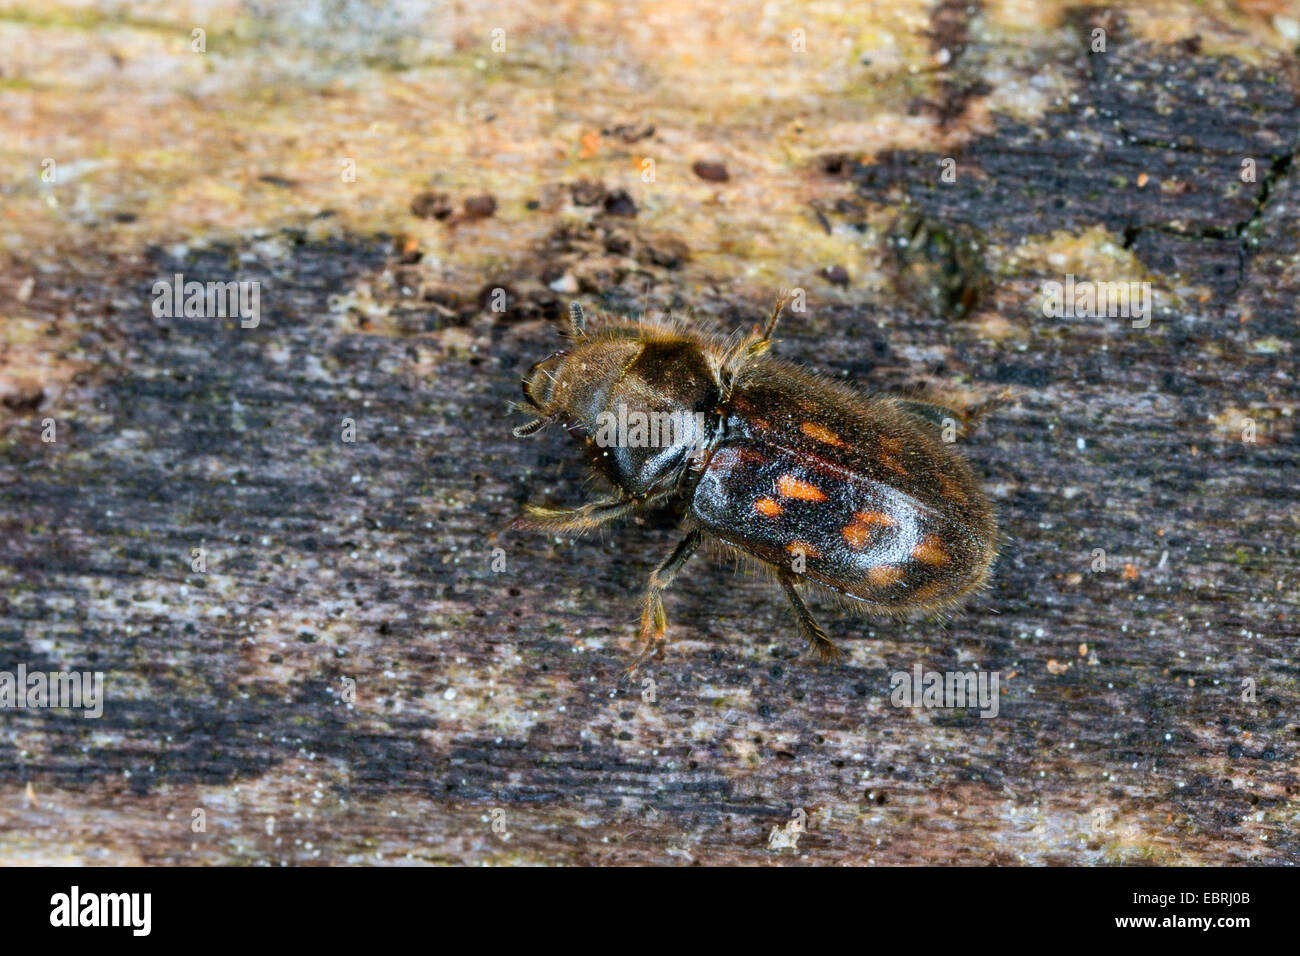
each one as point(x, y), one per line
point(591, 515)
point(654, 623)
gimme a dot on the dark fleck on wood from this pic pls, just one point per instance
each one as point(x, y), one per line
point(712, 172)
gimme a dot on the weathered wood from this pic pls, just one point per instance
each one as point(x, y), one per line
point(1122, 734)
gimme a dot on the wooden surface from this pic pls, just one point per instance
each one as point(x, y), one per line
point(1122, 734)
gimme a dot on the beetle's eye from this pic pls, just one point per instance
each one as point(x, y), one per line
point(539, 376)
point(528, 385)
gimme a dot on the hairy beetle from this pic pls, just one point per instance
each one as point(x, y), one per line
point(814, 481)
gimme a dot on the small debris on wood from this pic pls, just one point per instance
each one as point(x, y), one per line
point(587, 192)
point(441, 294)
point(408, 249)
point(632, 132)
point(566, 284)
point(480, 207)
point(668, 253)
point(559, 280)
point(617, 242)
point(833, 164)
point(712, 172)
point(620, 203)
point(432, 205)
point(24, 399)
point(836, 275)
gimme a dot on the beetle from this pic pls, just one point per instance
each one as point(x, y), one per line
point(802, 475)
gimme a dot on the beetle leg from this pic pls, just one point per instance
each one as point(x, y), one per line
point(654, 623)
point(933, 414)
point(590, 515)
point(818, 642)
point(976, 415)
point(937, 414)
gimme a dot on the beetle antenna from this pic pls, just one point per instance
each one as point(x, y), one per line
point(753, 344)
point(530, 428)
point(577, 320)
point(782, 300)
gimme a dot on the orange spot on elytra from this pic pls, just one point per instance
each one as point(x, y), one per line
point(821, 433)
point(804, 548)
point(874, 518)
point(929, 591)
point(859, 532)
point(892, 463)
point(788, 486)
point(950, 489)
point(856, 536)
point(931, 551)
point(768, 506)
point(884, 575)
point(891, 445)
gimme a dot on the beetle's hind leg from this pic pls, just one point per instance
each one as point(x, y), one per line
point(938, 414)
point(976, 415)
point(818, 643)
point(654, 623)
